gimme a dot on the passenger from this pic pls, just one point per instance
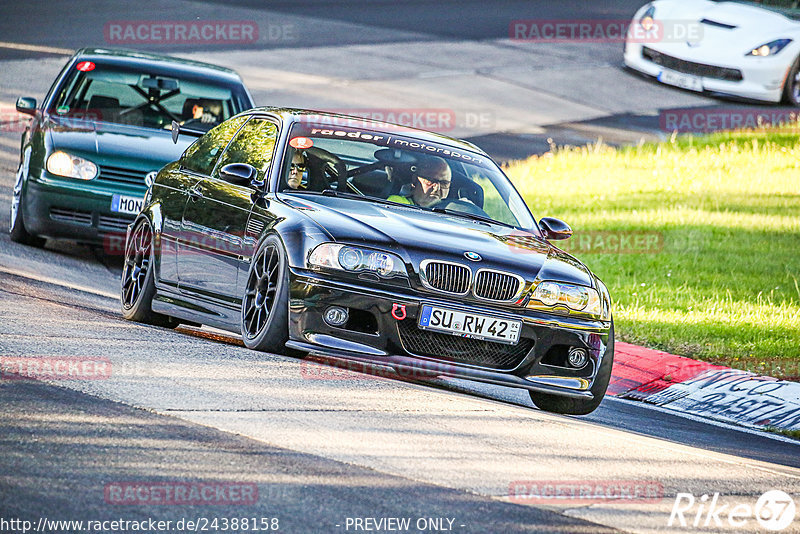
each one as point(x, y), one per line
point(296, 171)
point(429, 186)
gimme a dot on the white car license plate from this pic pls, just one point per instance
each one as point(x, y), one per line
point(469, 325)
point(684, 81)
point(126, 204)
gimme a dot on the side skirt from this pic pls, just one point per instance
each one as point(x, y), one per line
point(196, 310)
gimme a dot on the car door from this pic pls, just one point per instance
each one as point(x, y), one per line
point(172, 190)
point(216, 214)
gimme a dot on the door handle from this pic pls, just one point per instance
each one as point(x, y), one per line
point(195, 193)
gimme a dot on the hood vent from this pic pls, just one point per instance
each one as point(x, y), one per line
point(718, 24)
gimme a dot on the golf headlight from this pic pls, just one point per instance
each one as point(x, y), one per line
point(646, 20)
point(578, 298)
point(769, 49)
point(356, 260)
point(63, 164)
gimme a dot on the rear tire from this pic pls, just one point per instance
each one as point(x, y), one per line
point(265, 304)
point(16, 228)
point(570, 406)
point(138, 279)
point(791, 87)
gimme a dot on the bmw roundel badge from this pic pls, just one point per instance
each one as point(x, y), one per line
point(472, 256)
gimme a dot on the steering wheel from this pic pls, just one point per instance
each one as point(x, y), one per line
point(325, 168)
point(464, 206)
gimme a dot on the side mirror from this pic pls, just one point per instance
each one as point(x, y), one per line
point(26, 105)
point(554, 229)
point(240, 174)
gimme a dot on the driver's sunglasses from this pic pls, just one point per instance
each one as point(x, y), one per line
point(299, 166)
point(430, 182)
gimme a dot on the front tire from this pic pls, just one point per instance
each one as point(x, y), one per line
point(570, 406)
point(265, 304)
point(16, 228)
point(791, 88)
point(138, 279)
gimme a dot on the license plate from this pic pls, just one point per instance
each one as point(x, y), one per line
point(471, 325)
point(127, 205)
point(684, 81)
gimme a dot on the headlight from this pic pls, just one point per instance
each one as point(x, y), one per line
point(646, 20)
point(769, 49)
point(356, 260)
point(63, 164)
point(578, 298)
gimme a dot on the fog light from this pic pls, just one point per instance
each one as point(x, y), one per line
point(336, 316)
point(577, 357)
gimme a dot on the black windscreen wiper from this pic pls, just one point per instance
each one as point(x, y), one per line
point(337, 194)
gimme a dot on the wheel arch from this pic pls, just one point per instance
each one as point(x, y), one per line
point(298, 236)
point(152, 215)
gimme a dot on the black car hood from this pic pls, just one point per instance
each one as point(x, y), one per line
point(117, 145)
point(418, 234)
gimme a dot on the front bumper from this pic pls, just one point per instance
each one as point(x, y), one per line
point(65, 208)
point(762, 78)
point(374, 335)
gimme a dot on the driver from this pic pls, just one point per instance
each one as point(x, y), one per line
point(430, 185)
point(207, 111)
point(296, 171)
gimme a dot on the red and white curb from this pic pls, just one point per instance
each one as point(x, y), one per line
point(705, 390)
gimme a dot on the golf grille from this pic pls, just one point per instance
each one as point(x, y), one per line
point(121, 175)
point(448, 277)
point(494, 285)
point(462, 350)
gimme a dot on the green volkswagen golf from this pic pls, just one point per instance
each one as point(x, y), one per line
point(102, 132)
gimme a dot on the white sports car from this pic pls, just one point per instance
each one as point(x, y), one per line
point(741, 48)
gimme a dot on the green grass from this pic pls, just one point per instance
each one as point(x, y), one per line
point(725, 285)
point(794, 434)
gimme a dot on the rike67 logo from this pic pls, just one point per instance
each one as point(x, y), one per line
point(774, 511)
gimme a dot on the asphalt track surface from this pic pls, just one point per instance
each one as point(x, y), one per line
point(71, 446)
point(193, 405)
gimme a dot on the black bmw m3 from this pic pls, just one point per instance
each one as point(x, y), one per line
point(347, 238)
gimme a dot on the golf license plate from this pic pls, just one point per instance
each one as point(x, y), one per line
point(684, 81)
point(126, 204)
point(471, 325)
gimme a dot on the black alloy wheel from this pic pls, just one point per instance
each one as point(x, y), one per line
point(264, 322)
point(138, 284)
